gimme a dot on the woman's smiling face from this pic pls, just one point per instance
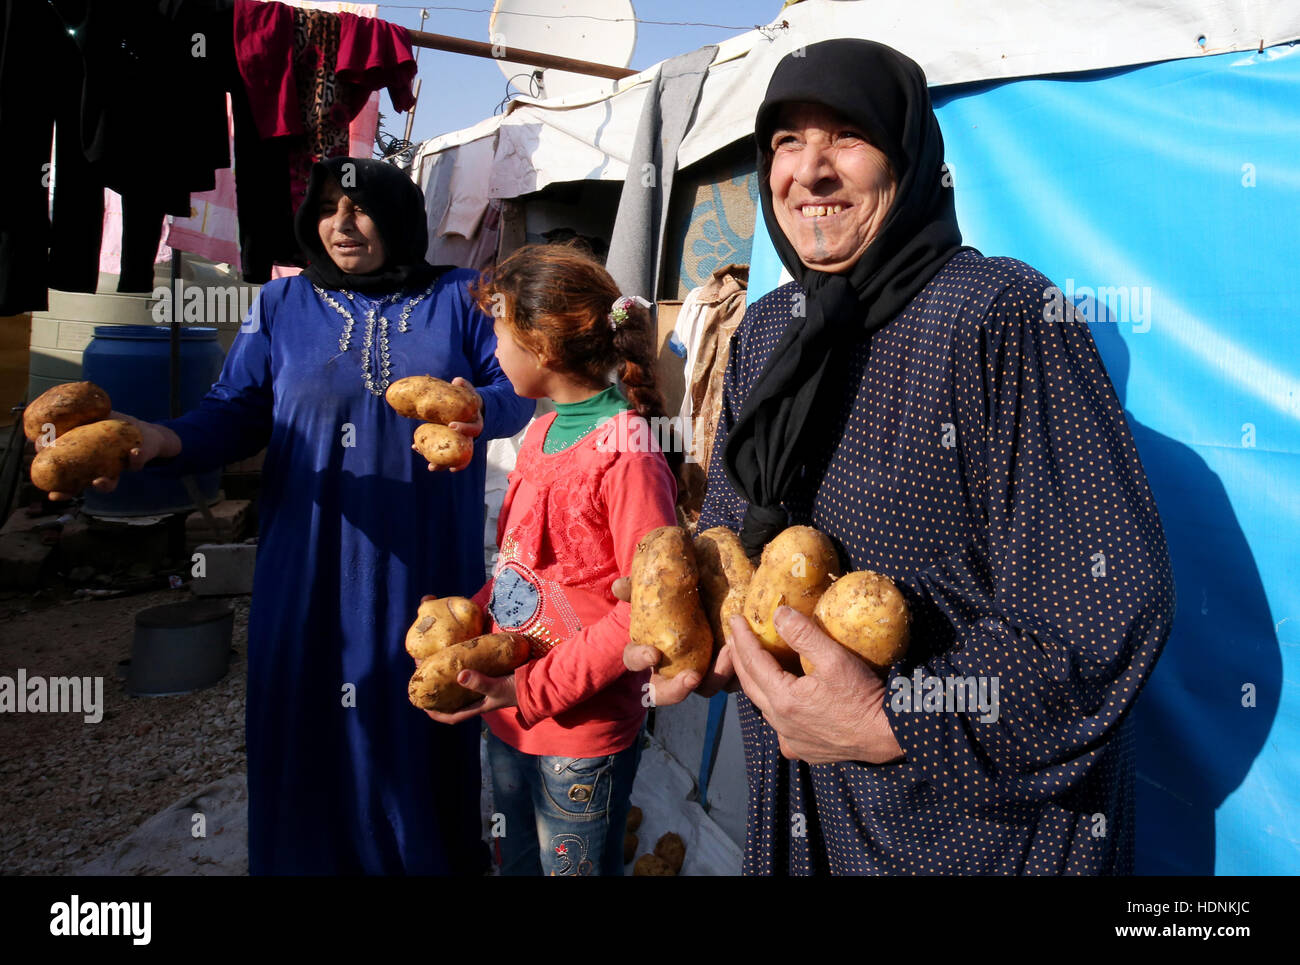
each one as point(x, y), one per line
point(831, 188)
point(350, 238)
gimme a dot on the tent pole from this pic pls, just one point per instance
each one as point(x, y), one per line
point(176, 545)
point(410, 115)
point(534, 58)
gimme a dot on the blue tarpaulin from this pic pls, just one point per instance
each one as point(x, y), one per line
point(1164, 201)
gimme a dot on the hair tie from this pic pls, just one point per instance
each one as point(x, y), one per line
point(618, 314)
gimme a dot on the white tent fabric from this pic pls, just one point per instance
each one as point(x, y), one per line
point(574, 138)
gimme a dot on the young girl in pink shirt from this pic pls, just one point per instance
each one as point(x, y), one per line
point(589, 483)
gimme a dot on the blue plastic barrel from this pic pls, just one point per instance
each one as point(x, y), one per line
point(130, 363)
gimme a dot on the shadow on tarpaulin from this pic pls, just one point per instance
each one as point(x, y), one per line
point(1163, 201)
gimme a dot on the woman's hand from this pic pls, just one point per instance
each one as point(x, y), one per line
point(470, 430)
point(836, 713)
point(498, 692)
point(666, 691)
point(155, 441)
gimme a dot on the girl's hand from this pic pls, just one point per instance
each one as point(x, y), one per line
point(498, 692)
point(155, 441)
point(664, 691)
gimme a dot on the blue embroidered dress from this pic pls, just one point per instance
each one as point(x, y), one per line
point(344, 775)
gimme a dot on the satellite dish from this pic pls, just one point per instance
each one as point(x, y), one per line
point(565, 28)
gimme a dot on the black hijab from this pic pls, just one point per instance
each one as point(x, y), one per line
point(394, 203)
point(885, 94)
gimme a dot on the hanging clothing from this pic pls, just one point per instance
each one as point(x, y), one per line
point(708, 317)
point(636, 248)
point(40, 83)
point(344, 775)
point(464, 222)
point(103, 75)
point(306, 68)
point(305, 75)
point(980, 459)
point(175, 57)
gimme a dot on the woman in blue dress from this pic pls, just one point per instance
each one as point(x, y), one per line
point(344, 775)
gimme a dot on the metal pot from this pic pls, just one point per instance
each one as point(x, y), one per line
point(180, 647)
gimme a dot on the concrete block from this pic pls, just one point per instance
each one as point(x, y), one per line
point(231, 516)
point(227, 569)
point(24, 560)
point(20, 522)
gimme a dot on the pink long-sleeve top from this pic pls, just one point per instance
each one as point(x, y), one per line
point(568, 528)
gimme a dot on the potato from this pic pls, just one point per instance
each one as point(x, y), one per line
point(725, 575)
point(633, 818)
point(672, 849)
point(83, 454)
point(666, 612)
point(630, 842)
point(865, 612)
point(434, 687)
point(442, 623)
point(433, 400)
point(652, 866)
point(796, 568)
point(442, 446)
point(66, 407)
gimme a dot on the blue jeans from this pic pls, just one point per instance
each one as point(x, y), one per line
point(560, 815)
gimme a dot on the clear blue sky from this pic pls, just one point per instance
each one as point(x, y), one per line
point(458, 91)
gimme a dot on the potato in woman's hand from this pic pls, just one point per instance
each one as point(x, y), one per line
point(83, 454)
point(433, 400)
point(796, 569)
point(433, 685)
point(666, 611)
point(443, 447)
point(864, 612)
point(65, 407)
point(442, 623)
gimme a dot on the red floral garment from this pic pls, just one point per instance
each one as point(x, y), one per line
point(569, 527)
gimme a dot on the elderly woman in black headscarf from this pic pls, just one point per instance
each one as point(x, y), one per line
point(931, 411)
point(344, 775)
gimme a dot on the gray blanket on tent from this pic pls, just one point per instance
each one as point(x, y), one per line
point(643, 205)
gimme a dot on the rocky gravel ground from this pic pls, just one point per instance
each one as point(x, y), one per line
point(69, 789)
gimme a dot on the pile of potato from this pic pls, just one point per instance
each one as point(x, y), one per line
point(446, 638)
point(437, 403)
point(85, 442)
point(684, 594)
point(666, 861)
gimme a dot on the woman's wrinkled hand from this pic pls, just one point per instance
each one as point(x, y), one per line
point(836, 713)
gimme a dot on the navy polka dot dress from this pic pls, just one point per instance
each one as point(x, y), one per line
point(985, 465)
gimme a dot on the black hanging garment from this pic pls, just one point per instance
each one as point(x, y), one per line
point(41, 84)
point(132, 95)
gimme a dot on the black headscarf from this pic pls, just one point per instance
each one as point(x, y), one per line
point(394, 203)
point(885, 94)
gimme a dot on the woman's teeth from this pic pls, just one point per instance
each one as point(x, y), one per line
point(820, 210)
